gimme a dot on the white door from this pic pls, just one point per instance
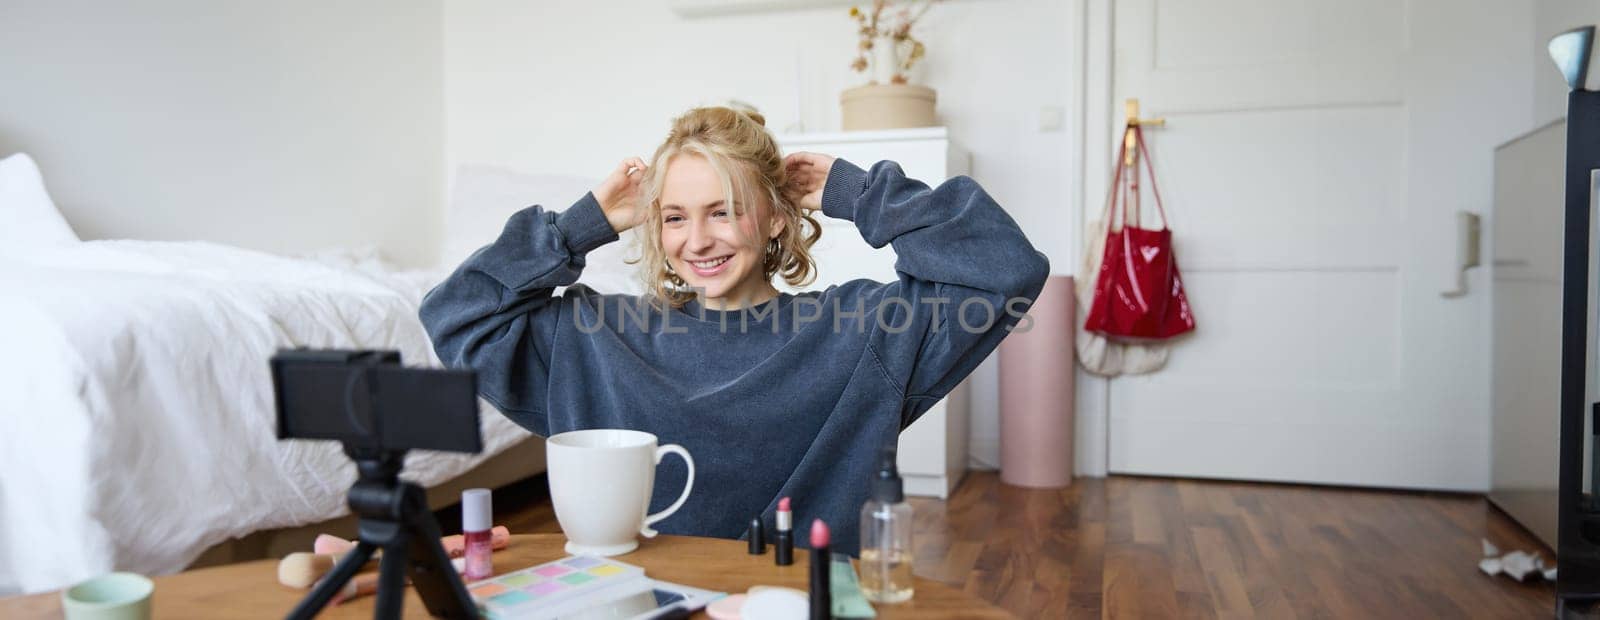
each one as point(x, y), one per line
point(1314, 157)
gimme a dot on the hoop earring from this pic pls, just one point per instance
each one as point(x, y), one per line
point(674, 279)
point(774, 257)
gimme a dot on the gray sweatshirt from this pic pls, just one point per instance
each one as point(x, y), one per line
point(792, 397)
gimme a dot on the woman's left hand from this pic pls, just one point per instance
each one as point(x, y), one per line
point(808, 175)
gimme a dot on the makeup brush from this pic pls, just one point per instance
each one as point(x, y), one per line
point(360, 585)
point(455, 545)
point(301, 569)
point(367, 583)
point(331, 545)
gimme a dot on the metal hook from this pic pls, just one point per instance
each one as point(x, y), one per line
point(1130, 140)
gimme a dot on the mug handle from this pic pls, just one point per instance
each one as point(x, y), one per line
point(687, 485)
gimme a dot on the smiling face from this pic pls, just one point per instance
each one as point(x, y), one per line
point(715, 247)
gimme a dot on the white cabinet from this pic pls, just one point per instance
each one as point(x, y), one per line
point(933, 452)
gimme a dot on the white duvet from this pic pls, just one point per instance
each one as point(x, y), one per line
point(136, 411)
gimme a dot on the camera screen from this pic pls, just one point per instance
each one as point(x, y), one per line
point(367, 400)
point(429, 409)
point(324, 401)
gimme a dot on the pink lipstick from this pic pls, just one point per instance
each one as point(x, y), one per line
point(784, 554)
point(821, 589)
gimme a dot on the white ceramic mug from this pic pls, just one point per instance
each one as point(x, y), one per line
point(600, 483)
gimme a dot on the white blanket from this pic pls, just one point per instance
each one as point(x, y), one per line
point(136, 411)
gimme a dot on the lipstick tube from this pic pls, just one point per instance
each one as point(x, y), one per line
point(783, 554)
point(758, 536)
point(821, 564)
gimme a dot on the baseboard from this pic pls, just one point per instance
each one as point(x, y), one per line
point(927, 486)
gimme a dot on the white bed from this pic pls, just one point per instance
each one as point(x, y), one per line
point(136, 416)
point(136, 411)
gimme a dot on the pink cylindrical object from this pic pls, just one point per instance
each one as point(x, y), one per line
point(476, 529)
point(1036, 392)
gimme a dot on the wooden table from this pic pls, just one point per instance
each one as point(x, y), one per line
point(251, 589)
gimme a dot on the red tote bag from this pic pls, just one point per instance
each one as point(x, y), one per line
point(1138, 294)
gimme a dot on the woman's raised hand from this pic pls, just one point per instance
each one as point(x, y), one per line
point(808, 174)
point(618, 194)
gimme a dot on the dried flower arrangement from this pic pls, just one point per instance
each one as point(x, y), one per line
point(889, 26)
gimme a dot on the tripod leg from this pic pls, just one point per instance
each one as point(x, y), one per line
point(436, 580)
point(433, 575)
point(333, 582)
point(392, 577)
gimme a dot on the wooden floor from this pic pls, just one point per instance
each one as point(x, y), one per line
point(1131, 547)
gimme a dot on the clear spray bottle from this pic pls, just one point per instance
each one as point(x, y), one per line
point(886, 536)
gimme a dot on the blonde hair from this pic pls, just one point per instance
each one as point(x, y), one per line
point(737, 145)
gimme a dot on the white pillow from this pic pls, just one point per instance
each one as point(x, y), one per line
point(30, 218)
point(484, 196)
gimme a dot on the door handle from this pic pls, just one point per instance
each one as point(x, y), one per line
point(1468, 232)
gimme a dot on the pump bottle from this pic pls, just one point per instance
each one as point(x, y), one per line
point(886, 536)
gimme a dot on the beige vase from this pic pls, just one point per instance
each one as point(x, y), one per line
point(885, 60)
point(887, 106)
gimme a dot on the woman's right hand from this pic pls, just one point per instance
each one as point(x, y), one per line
point(618, 194)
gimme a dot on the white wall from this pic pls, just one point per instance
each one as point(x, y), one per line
point(284, 126)
point(1466, 95)
point(573, 87)
point(1551, 17)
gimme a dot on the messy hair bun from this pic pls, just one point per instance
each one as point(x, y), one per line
point(748, 110)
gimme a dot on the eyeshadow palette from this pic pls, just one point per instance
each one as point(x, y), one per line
point(581, 586)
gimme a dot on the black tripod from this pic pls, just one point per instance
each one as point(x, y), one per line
point(395, 517)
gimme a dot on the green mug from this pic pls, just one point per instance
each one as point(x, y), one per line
point(117, 596)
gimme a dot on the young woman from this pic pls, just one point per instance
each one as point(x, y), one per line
point(774, 394)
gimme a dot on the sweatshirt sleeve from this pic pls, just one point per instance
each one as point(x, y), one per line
point(966, 275)
point(496, 313)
